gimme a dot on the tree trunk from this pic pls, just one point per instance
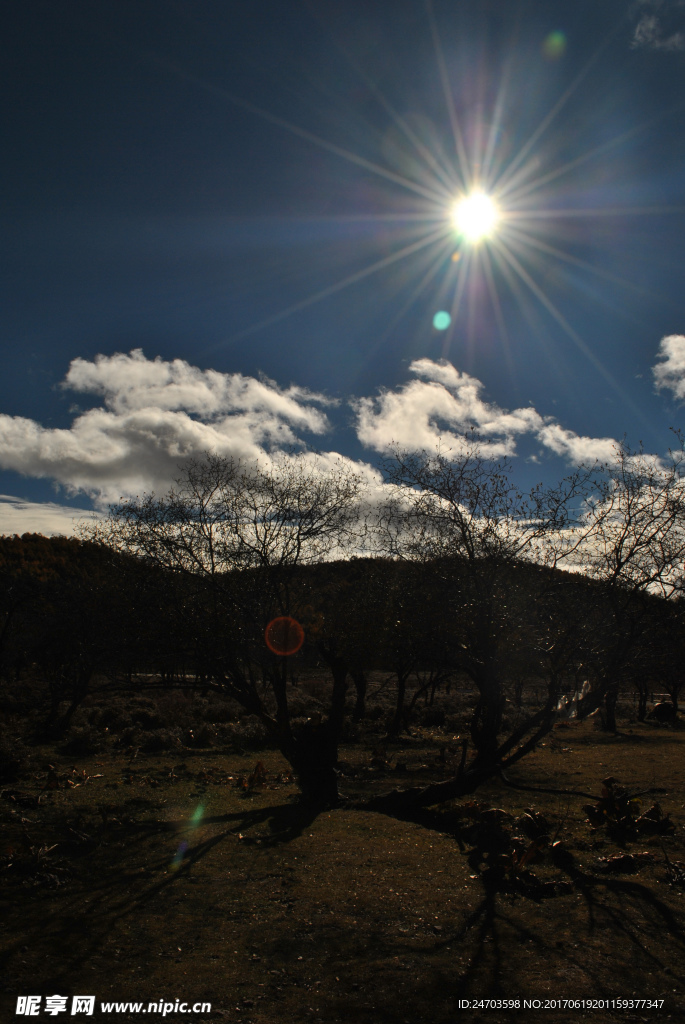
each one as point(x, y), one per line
point(314, 756)
point(314, 752)
point(641, 704)
point(337, 715)
point(486, 721)
point(610, 700)
point(398, 719)
point(359, 680)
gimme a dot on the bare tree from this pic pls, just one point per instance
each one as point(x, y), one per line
point(480, 539)
point(234, 536)
point(631, 540)
point(632, 534)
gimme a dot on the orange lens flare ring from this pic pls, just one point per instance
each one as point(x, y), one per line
point(284, 635)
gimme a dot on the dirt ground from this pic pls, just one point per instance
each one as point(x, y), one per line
point(193, 875)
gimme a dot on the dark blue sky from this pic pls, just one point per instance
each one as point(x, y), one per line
point(179, 175)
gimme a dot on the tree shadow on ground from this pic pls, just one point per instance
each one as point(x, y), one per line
point(120, 890)
point(624, 915)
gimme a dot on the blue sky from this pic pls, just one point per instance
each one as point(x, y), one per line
point(229, 226)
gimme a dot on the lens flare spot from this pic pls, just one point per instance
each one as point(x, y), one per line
point(554, 45)
point(456, 256)
point(475, 216)
point(196, 817)
point(442, 320)
point(179, 855)
point(284, 635)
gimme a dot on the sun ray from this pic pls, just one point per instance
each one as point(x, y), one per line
point(522, 236)
point(446, 175)
point(471, 303)
point(462, 156)
point(558, 172)
point(495, 125)
point(497, 306)
point(591, 211)
point(521, 177)
point(545, 301)
point(557, 315)
point(522, 298)
point(513, 253)
point(463, 274)
point(555, 110)
point(447, 178)
point(499, 315)
point(436, 195)
point(332, 289)
point(436, 263)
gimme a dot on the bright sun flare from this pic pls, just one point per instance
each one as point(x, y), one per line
point(475, 216)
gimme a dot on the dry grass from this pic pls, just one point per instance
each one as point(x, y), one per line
point(122, 887)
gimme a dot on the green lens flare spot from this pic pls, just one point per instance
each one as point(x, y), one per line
point(554, 45)
point(197, 814)
point(441, 320)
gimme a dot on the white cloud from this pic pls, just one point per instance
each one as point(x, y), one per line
point(19, 516)
point(574, 447)
point(131, 382)
point(670, 373)
point(156, 415)
point(661, 25)
point(422, 414)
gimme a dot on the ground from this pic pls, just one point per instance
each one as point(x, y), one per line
point(193, 875)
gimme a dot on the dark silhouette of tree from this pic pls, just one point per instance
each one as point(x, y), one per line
point(233, 537)
point(62, 605)
point(631, 539)
point(458, 515)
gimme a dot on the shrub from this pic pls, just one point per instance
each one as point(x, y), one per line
point(431, 717)
point(249, 733)
point(148, 719)
point(220, 713)
point(12, 760)
point(205, 736)
point(131, 737)
point(82, 741)
point(115, 719)
point(161, 739)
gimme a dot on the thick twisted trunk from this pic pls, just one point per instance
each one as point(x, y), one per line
point(486, 721)
point(313, 754)
point(314, 757)
point(610, 701)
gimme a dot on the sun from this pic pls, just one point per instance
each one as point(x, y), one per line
point(475, 216)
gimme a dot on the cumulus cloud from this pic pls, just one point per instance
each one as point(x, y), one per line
point(445, 404)
point(46, 517)
point(156, 415)
point(130, 383)
point(575, 447)
point(670, 373)
point(660, 25)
